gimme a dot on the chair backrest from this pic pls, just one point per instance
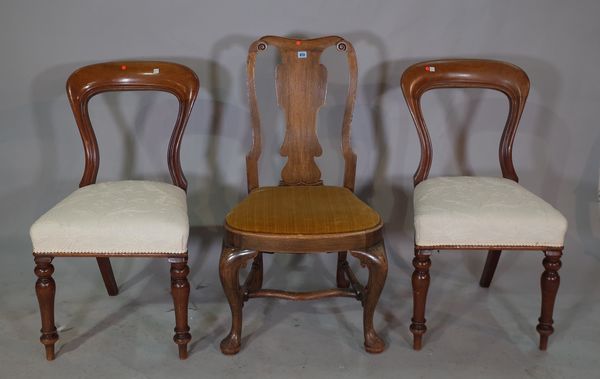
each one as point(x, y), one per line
point(91, 80)
point(301, 86)
point(466, 73)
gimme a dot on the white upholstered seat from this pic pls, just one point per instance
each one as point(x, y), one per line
point(483, 211)
point(128, 217)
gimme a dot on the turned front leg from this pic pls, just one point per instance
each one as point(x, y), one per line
point(420, 285)
point(549, 282)
point(180, 290)
point(229, 267)
point(45, 289)
point(376, 262)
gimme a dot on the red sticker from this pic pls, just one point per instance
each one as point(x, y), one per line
point(123, 67)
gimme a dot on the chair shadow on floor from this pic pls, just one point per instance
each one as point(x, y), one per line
point(265, 314)
point(153, 282)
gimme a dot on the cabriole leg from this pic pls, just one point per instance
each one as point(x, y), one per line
point(376, 262)
point(229, 267)
point(420, 284)
point(180, 290)
point(45, 289)
point(549, 282)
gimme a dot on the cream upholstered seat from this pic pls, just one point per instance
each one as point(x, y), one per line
point(127, 217)
point(483, 211)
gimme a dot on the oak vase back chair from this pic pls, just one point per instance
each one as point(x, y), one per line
point(128, 218)
point(478, 213)
point(302, 215)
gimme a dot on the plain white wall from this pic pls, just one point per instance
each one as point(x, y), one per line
point(556, 153)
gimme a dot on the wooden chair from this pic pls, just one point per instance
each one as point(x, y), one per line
point(302, 215)
point(478, 213)
point(121, 218)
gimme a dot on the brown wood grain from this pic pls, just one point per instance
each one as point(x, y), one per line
point(45, 289)
point(549, 283)
point(466, 73)
point(180, 290)
point(91, 80)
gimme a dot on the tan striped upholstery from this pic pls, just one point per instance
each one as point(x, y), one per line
point(302, 210)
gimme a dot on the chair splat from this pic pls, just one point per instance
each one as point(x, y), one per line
point(301, 89)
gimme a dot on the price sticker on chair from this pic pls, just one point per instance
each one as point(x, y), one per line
point(302, 54)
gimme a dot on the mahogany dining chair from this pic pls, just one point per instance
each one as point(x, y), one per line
point(474, 212)
point(128, 218)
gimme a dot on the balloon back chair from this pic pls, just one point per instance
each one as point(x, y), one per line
point(478, 213)
point(302, 215)
point(130, 218)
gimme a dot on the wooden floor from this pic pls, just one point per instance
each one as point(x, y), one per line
point(473, 332)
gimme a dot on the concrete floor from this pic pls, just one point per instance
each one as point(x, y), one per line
point(473, 332)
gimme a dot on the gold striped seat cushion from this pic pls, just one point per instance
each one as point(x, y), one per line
point(302, 210)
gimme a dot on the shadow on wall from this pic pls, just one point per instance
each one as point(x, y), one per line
point(553, 130)
point(587, 213)
point(382, 84)
point(47, 87)
point(546, 126)
point(269, 164)
point(51, 84)
point(207, 194)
